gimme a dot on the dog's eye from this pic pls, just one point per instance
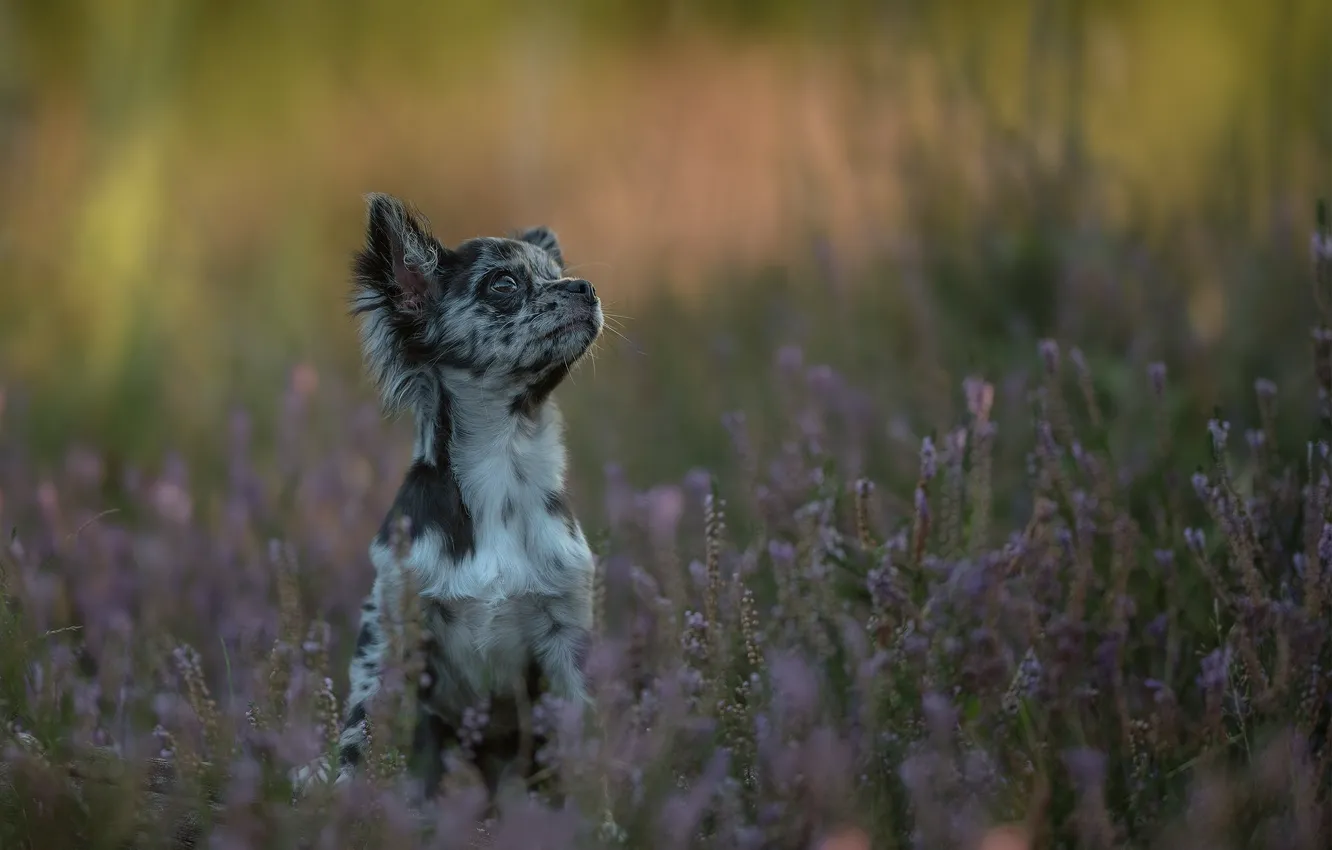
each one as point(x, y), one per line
point(503, 285)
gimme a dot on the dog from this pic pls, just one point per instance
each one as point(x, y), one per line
point(472, 341)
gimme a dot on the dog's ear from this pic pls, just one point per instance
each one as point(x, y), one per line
point(544, 238)
point(401, 258)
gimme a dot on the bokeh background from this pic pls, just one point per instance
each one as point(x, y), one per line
point(909, 191)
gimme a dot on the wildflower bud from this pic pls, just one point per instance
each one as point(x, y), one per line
point(1215, 671)
point(1046, 438)
point(958, 444)
point(980, 397)
point(939, 713)
point(1325, 545)
point(1156, 373)
point(1196, 540)
point(1165, 559)
point(1322, 337)
point(790, 359)
point(1320, 248)
point(922, 503)
point(1220, 431)
point(1050, 355)
point(928, 459)
point(1201, 486)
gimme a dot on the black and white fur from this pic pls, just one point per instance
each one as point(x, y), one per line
point(472, 340)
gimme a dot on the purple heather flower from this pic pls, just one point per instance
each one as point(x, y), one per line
point(790, 359)
point(1201, 486)
point(1325, 545)
point(795, 685)
point(1215, 671)
point(665, 508)
point(1086, 767)
point(682, 812)
point(940, 714)
point(1049, 350)
point(781, 552)
point(698, 482)
point(1156, 373)
point(922, 503)
point(1196, 540)
point(1320, 247)
point(882, 588)
point(1158, 627)
point(698, 573)
point(928, 459)
point(823, 379)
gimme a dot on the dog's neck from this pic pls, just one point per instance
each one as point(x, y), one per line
point(483, 486)
point(460, 413)
point(470, 431)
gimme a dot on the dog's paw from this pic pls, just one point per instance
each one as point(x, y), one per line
point(316, 772)
point(344, 776)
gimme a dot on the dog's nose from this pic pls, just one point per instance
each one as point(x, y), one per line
point(581, 287)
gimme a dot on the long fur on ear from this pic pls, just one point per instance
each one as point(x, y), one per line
point(543, 237)
point(402, 251)
point(394, 275)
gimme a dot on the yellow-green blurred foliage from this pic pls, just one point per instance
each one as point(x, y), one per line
point(182, 180)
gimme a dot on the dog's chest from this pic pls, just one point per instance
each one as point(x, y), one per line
point(480, 646)
point(486, 609)
point(526, 540)
point(525, 565)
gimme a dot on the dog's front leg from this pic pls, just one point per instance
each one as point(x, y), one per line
point(560, 640)
point(429, 742)
point(365, 675)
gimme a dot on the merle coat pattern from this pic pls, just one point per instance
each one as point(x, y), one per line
point(471, 341)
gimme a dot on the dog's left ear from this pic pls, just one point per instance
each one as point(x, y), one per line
point(543, 237)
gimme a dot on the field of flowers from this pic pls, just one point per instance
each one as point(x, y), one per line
point(1090, 609)
point(958, 464)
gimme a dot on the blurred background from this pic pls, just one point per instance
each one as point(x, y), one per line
point(910, 192)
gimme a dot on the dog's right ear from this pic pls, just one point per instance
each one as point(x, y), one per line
point(401, 258)
point(544, 238)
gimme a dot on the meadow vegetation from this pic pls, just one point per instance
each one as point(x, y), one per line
point(997, 491)
point(1070, 611)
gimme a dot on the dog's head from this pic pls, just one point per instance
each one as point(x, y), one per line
point(496, 311)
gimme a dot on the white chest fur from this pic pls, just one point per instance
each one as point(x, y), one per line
point(528, 573)
point(511, 476)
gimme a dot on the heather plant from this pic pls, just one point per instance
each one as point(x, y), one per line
point(1061, 620)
